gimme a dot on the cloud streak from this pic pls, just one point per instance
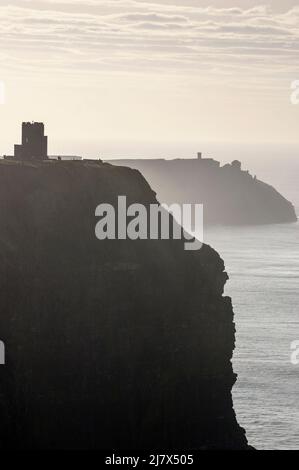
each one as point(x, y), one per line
point(129, 35)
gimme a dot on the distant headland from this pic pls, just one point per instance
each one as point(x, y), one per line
point(229, 194)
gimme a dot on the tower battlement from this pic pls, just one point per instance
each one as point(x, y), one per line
point(34, 142)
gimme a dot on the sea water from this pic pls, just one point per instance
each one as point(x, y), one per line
point(263, 265)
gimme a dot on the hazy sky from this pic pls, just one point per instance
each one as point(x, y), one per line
point(138, 71)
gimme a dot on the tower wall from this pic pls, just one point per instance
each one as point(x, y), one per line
point(34, 142)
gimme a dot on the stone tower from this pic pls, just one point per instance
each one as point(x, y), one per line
point(34, 142)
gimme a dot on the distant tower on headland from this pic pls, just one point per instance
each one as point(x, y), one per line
point(34, 142)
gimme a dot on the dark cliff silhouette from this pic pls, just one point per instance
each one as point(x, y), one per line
point(230, 196)
point(113, 344)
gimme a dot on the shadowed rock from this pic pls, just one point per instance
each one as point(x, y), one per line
point(109, 344)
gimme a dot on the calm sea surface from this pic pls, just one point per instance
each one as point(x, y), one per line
point(263, 265)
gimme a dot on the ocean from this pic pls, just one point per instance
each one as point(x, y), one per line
point(263, 266)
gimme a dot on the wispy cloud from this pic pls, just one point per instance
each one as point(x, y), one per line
point(109, 35)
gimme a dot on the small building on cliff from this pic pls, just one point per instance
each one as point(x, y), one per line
point(34, 145)
point(34, 142)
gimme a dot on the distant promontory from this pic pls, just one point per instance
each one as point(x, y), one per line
point(230, 195)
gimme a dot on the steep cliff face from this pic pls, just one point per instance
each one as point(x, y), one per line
point(109, 344)
point(229, 196)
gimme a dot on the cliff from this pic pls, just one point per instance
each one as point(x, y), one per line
point(229, 195)
point(109, 344)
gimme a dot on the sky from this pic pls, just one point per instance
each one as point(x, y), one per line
point(115, 76)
